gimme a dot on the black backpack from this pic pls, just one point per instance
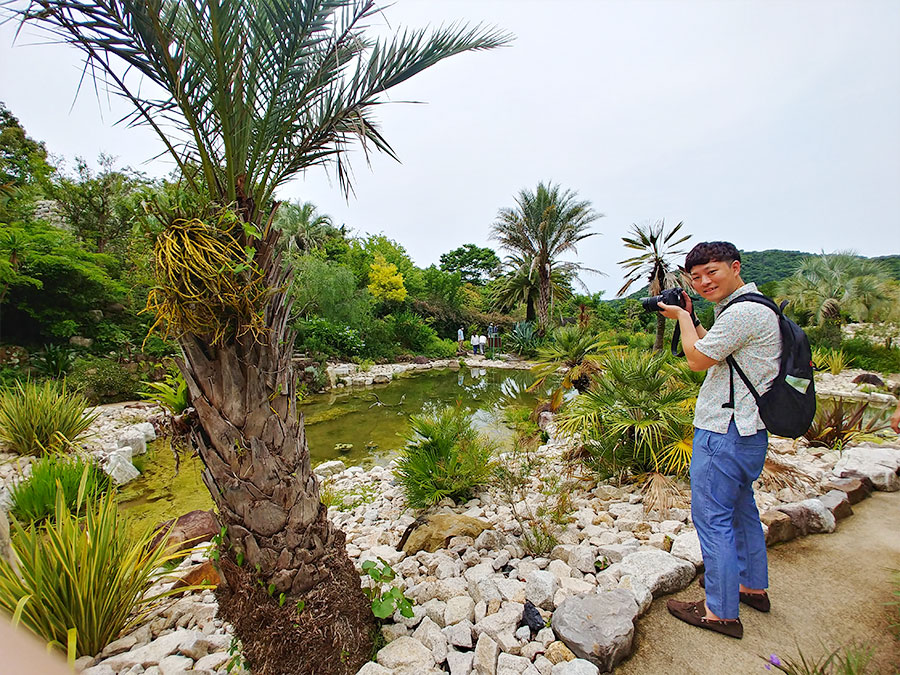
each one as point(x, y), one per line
point(788, 408)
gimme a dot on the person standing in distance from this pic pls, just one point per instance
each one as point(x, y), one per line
point(460, 339)
point(730, 439)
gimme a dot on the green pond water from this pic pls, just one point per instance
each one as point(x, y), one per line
point(359, 426)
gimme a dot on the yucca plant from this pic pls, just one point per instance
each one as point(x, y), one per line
point(82, 575)
point(837, 361)
point(838, 422)
point(34, 499)
point(171, 394)
point(637, 417)
point(42, 417)
point(443, 457)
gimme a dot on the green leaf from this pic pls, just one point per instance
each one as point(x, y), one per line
point(383, 608)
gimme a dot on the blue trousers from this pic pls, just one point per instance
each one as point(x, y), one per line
point(723, 468)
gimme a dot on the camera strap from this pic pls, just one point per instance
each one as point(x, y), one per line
point(676, 336)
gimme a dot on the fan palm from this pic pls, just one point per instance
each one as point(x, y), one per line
point(828, 286)
point(576, 350)
point(244, 95)
point(655, 263)
point(636, 418)
point(544, 225)
point(302, 227)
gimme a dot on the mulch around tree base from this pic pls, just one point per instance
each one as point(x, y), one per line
point(332, 635)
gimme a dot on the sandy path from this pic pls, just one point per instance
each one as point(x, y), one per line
point(826, 590)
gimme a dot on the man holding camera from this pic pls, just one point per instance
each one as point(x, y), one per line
point(730, 439)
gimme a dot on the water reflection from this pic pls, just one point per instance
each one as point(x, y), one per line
point(367, 426)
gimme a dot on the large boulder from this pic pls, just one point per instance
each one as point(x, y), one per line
point(856, 489)
point(187, 531)
point(659, 571)
point(598, 627)
point(838, 503)
point(809, 516)
point(119, 467)
point(438, 529)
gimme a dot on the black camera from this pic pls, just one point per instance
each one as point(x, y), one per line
point(670, 296)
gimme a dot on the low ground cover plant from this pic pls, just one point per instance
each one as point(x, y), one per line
point(171, 393)
point(443, 457)
point(850, 660)
point(34, 499)
point(82, 575)
point(42, 417)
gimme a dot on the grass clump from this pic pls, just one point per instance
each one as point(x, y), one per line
point(42, 417)
point(443, 457)
point(82, 575)
point(34, 499)
point(850, 660)
point(170, 394)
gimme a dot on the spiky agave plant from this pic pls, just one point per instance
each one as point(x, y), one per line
point(245, 95)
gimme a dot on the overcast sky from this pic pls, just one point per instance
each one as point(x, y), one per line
point(771, 124)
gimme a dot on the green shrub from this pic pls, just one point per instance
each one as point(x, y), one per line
point(82, 576)
point(443, 457)
point(332, 339)
point(869, 356)
point(441, 349)
point(34, 499)
point(171, 394)
point(55, 361)
point(37, 418)
point(105, 380)
point(411, 331)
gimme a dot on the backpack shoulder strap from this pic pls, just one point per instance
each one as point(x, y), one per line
point(733, 367)
point(759, 299)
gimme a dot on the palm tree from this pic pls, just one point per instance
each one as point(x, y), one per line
point(302, 227)
point(576, 350)
point(544, 225)
point(245, 95)
point(520, 284)
point(655, 263)
point(828, 286)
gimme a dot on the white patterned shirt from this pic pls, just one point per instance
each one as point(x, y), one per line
point(749, 332)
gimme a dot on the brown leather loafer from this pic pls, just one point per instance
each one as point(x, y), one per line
point(758, 601)
point(694, 613)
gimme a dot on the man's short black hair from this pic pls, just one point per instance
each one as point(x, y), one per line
point(711, 251)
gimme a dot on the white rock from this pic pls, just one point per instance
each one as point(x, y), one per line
point(154, 652)
point(687, 547)
point(430, 635)
point(406, 652)
point(330, 468)
point(388, 553)
point(119, 467)
point(508, 664)
point(559, 569)
point(460, 663)
point(147, 430)
point(434, 610)
point(659, 571)
point(582, 558)
point(642, 595)
point(486, 653)
point(460, 634)
point(175, 665)
point(459, 609)
point(101, 669)
point(212, 661)
point(372, 668)
point(540, 587)
point(133, 438)
point(575, 667)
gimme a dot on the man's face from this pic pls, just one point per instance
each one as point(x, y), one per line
point(716, 280)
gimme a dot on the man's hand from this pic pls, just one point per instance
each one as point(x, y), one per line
point(672, 311)
point(895, 419)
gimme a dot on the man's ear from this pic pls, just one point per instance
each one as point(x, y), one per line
point(736, 267)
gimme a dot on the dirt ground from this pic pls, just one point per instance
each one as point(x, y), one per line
point(826, 591)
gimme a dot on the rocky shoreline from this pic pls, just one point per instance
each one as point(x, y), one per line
point(352, 375)
point(471, 578)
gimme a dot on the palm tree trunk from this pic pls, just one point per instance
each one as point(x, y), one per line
point(529, 308)
point(279, 539)
point(543, 304)
point(660, 332)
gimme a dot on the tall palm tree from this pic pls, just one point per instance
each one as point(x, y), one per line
point(302, 227)
point(245, 95)
point(828, 286)
point(655, 263)
point(544, 225)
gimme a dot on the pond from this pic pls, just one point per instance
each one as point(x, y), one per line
point(359, 426)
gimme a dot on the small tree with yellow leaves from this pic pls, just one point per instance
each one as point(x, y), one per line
point(385, 282)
